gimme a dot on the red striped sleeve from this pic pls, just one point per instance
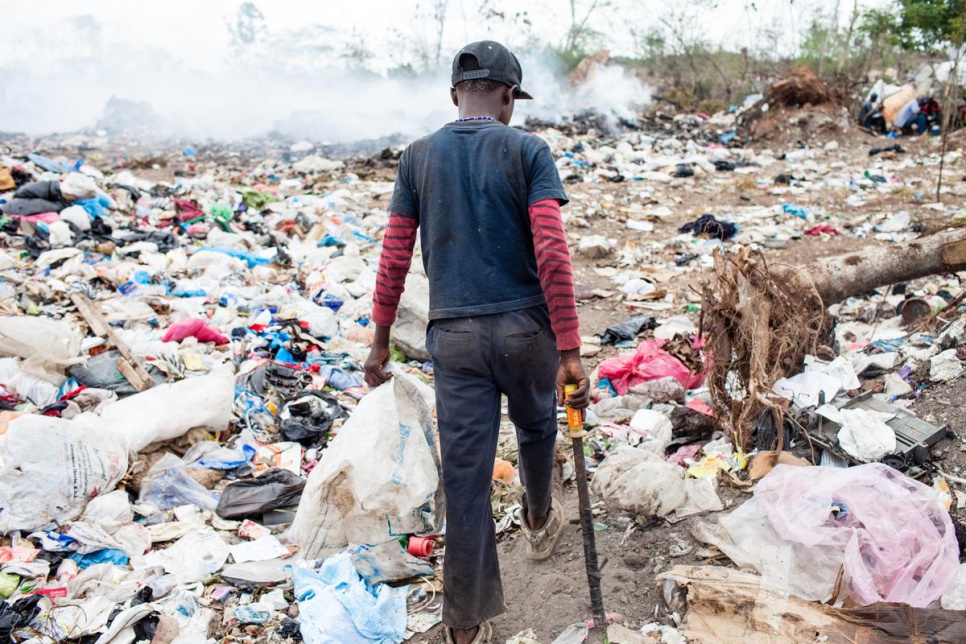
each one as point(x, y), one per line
point(397, 255)
point(556, 274)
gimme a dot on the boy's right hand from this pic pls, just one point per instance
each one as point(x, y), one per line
point(571, 372)
point(378, 356)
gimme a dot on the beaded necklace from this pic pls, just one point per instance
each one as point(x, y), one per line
point(474, 118)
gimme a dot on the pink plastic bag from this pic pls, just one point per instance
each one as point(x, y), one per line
point(649, 362)
point(197, 328)
point(898, 540)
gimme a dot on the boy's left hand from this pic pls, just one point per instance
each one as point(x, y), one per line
point(571, 372)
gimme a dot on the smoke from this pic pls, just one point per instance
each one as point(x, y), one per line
point(296, 83)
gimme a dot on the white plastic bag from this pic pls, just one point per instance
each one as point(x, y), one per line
point(639, 481)
point(380, 476)
point(168, 411)
point(52, 467)
point(650, 430)
point(76, 186)
point(864, 433)
point(40, 339)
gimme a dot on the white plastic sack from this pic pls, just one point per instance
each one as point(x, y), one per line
point(638, 481)
point(39, 338)
point(78, 216)
point(168, 411)
point(804, 389)
point(59, 234)
point(412, 319)
point(945, 366)
point(379, 477)
point(839, 368)
point(52, 467)
point(192, 558)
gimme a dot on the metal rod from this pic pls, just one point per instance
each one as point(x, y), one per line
point(599, 632)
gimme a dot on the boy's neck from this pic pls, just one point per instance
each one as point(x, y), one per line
point(470, 108)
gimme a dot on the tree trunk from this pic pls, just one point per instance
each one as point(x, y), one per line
point(843, 276)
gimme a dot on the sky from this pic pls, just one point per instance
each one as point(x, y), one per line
point(59, 65)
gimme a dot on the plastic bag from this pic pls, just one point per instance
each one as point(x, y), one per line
point(76, 186)
point(890, 534)
point(194, 557)
point(409, 330)
point(649, 362)
point(168, 411)
point(390, 433)
point(194, 328)
point(388, 562)
point(100, 372)
point(307, 418)
point(52, 468)
point(638, 481)
point(650, 431)
point(864, 434)
point(276, 488)
point(628, 329)
point(18, 615)
point(168, 485)
point(336, 605)
point(40, 339)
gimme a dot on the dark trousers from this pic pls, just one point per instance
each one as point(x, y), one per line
point(919, 122)
point(475, 360)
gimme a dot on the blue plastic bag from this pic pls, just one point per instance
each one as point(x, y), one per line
point(795, 211)
point(107, 555)
point(337, 605)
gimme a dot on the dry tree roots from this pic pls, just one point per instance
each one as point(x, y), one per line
point(760, 321)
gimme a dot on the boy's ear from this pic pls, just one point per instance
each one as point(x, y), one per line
point(510, 93)
point(455, 98)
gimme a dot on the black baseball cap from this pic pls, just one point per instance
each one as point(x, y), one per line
point(496, 63)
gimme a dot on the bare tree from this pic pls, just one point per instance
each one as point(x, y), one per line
point(580, 31)
point(438, 9)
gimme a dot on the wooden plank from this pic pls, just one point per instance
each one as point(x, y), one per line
point(129, 366)
point(134, 375)
point(95, 320)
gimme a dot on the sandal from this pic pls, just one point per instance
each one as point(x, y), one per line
point(483, 636)
point(540, 543)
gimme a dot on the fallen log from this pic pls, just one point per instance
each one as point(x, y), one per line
point(725, 605)
point(762, 319)
point(843, 276)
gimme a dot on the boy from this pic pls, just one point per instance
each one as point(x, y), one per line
point(503, 319)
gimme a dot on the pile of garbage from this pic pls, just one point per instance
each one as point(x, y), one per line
point(188, 449)
point(177, 357)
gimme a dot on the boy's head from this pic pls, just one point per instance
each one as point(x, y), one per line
point(486, 75)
